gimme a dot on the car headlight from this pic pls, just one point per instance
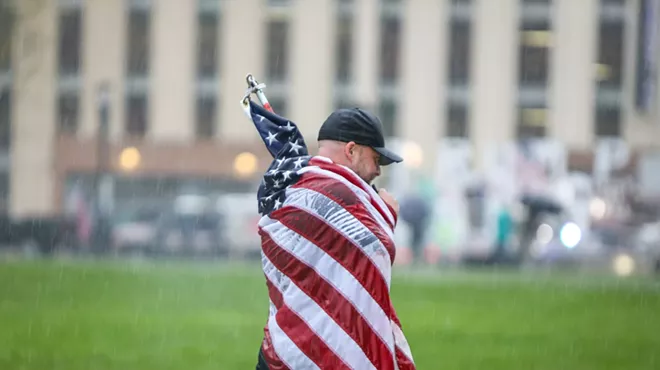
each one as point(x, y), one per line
point(570, 235)
point(623, 265)
point(544, 234)
point(598, 208)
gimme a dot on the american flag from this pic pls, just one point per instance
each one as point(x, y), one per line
point(287, 146)
point(327, 253)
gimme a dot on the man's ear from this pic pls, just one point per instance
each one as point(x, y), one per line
point(349, 149)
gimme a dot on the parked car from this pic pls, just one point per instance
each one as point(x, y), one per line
point(44, 233)
point(135, 229)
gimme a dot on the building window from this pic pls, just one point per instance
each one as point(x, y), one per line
point(277, 52)
point(457, 121)
point(6, 32)
point(344, 54)
point(70, 41)
point(5, 118)
point(459, 52)
point(206, 114)
point(608, 122)
point(389, 49)
point(535, 42)
point(68, 108)
point(610, 54)
point(387, 112)
point(210, 6)
point(137, 111)
point(4, 191)
point(532, 122)
point(207, 47)
point(138, 42)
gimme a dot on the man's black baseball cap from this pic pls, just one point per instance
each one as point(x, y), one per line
point(361, 127)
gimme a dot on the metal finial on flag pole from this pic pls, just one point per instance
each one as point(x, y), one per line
point(256, 88)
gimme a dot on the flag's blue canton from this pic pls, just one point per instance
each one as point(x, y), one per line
point(287, 146)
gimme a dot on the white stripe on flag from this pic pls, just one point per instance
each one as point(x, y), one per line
point(317, 320)
point(365, 187)
point(344, 223)
point(401, 341)
point(286, 349)
point(361, 194)
point(337, 276)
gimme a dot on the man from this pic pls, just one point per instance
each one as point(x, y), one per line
point(504, 233)
point(327, 247)
point(416, 212)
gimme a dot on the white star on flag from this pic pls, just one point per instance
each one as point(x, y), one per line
point(286, 145)
point(271, 137)
point(295, 147)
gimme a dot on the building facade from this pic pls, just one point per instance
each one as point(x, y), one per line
point(484, 72)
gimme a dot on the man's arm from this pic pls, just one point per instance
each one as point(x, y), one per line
point(390, 201)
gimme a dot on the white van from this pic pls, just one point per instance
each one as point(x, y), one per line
point(241, 218)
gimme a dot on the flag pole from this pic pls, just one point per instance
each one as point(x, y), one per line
point(257, 88)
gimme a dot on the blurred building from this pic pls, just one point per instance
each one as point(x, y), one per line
point(485, 72)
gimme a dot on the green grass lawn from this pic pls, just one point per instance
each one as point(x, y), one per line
point(118, 315)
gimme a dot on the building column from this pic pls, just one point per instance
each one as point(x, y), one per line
point(312, 74)
point(242, 53)
point(33, 113)
point(572, 84)
point(366, 45)
point(423, 76)
point(103, 56)
point(640, 131)
point(174, 70)
point(494, 67)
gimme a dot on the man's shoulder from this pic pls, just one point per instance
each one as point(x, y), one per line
point(330, 187)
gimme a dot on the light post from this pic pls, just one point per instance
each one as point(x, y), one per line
point(102, 177)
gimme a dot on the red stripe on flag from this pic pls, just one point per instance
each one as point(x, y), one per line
point(342, 250)
point(309, 343)
point(353, 179)
point(300, 333)
point(345, 197)
point(274, 294)
point(394, 317)
point(273, 360)
point(403, 361)
point(335, 305)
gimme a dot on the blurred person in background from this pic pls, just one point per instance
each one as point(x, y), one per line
point(416, 212)
point(327, 246)
point(503, 234)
